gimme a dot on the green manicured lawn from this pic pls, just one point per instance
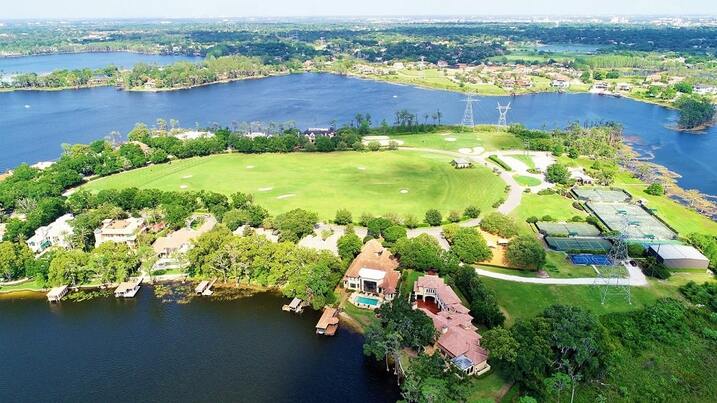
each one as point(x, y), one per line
point(408, 277)
point(325, 182)
point(520, 300)
point(527, 180)
point(486, 389)
point(488, 137)
point(30, 285)
point(535, 205)
point(525, 159)
point(557, 266)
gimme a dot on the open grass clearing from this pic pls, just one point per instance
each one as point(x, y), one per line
point(485, 136)
point(326, 182)
point(527, 180)
point(521, 300)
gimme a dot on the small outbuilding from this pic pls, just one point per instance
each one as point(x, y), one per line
point(679, 256)
point(128, 289)
point(460, 163)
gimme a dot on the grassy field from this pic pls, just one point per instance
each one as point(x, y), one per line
point(488, 137)
point(403, 182)
point(520, 300)
point(527, 180)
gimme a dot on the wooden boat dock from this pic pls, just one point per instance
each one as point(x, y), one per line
point(296, 305)
point(205, 288)
point(56, 294)
point(128, 289)
point(329, 322)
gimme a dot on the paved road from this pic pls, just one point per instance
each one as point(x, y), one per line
point(635, 278)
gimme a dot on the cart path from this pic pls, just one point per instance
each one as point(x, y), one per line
point(635, 279)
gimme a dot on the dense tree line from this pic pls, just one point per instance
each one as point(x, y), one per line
point(695, 111)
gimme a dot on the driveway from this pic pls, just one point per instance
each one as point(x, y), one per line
point(635, 279)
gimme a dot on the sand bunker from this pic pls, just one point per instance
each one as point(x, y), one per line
point(286, 196)
point(450, 139)
point(186, 176)
point(361, 168)
point(465, 150)
point(250, 167)
point(265, 189)
point(404, 191)
point(478, 150)
point(183, 186)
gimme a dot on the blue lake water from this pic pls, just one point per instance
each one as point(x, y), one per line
point(146, 350)
point(33, 124)
point(47, 63)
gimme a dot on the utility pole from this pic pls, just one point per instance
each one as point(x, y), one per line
point(468, 112)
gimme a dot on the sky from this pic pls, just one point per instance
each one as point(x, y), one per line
point(287, 8)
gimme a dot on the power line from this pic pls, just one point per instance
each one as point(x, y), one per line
point(610, 278)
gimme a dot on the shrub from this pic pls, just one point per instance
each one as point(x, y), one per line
point(410, 221)
point(374, 146)
point(635, 250)
point(532, 219)
point(499, 202)
point(577, 218)
point(433, 217)
point(235, 218)
point(499, 224)
point(349, 245)
point(295, 224)
point(343, 217)
point(377, 225)
point(470, 246)
point(471, 212)
point(652, 268)
point(454, 216)
point(526, 251)
point(449, 231)
point(421, 253)
point(655, 189)
point(393, 234)
point(500, 162)
point(364, 219)
point(393, 145)
point(548, 218)
point(557, 173)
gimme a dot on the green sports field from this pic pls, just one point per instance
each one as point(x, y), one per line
point(404, 182)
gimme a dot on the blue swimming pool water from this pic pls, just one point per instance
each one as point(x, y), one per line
point(367, 301)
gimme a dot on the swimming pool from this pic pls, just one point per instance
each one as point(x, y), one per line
point(367, 300)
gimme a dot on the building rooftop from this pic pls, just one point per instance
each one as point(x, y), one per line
point(327, 318)
point(184, 236)
point(671, 251)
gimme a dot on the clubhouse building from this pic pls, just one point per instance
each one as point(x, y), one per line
point(459, 340)
point(373, 273)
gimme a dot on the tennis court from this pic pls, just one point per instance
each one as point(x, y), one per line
point(567, 229)
point(631, 219)
point(604, 195)
point(578, 244)
point(588, 259)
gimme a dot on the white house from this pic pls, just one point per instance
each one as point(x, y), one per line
point(121, 231)
point(560, 84)
point(56, 233)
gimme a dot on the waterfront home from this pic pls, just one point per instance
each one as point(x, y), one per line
point(120, 231)
point(193, 135)
point(678, 256)
point(56, 233)
point(328, 323)
point(459, 340)
point(704, 89)
point(560, 84)
point(128, 289)
point(623, 87)
point(170, 248)
point(460, 163)
point(56, 294)
point(373, 272)
point(313, 133)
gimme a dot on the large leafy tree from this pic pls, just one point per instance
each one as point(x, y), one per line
point(470, 246)
point(15, 260)
point(526, 252)
point(421, 253)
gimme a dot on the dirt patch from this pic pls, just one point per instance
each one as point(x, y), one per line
point(286, 196)
point(266, 189)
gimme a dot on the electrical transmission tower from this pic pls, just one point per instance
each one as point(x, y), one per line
point(503, 114)
point(610, 278)
point(468, 113)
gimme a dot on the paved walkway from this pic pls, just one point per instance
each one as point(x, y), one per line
point(636, 278)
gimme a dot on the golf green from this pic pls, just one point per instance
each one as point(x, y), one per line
point(403, 182)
